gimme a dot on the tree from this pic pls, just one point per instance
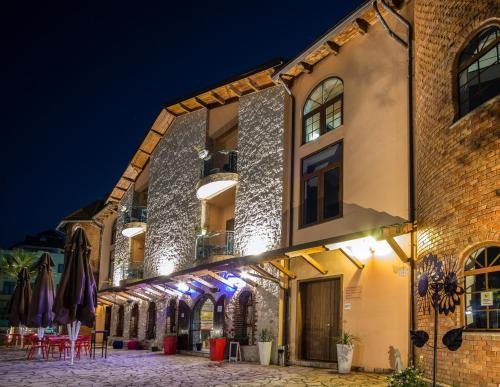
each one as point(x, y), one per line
point(12, 263)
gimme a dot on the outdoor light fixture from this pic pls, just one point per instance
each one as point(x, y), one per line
point(245, 275)
point(130, 232)
point(209, 190)
point(236, 282)
point(256, 246)
point(166, 267)
point(204, 154)
point(363, 248)
point(183, 287)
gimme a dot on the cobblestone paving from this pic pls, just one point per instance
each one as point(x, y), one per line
point(141, 368)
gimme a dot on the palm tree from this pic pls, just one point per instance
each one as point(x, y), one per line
point(12, 263)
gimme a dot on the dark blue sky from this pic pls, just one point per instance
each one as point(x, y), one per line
point(82, 81)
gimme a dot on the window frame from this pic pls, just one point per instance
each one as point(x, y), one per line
point(471, 273)
point(321, 180)
point(322, 110)
point(460, 67)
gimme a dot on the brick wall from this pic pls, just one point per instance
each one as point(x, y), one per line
point(457, 173)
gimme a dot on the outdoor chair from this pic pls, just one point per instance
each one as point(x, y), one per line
point(52, 344)
point(34, 344)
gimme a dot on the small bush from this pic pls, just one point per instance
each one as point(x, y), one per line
point(409, 377)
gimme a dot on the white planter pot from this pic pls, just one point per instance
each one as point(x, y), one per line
point(265, 352)
point(344, 357)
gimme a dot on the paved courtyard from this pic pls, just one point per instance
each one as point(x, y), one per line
point(144, 368)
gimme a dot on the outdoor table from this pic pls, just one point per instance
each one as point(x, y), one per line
point(104, 344)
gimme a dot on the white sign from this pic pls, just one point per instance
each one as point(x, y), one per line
point(486, 298)
point(219, 308)
point(347, 306)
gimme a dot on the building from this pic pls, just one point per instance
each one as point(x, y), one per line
point(51, 241)
point(299, 197)
point(457, 109)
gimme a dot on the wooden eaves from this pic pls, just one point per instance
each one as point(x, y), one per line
point(254, 262)
point(223, 93)
point(353, 25)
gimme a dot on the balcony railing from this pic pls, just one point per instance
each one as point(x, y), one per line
point(136, 214)
point(223, 161)
point(134, 271)
point(215, 243)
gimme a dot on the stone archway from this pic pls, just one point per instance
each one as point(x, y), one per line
point(202, 323)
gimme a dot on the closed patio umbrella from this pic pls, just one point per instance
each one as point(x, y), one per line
point(77, 294)
point(20, 301)
point(40, 313)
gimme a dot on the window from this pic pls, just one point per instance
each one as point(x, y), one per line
point(8, 287)
point(479, 70)
point(60, 268)
point(134, 321)
point(244, 319)
point(482, 289)
point(321, 185)
point(323, 109)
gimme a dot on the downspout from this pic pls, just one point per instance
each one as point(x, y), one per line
point(411, 152)
point(286, 292)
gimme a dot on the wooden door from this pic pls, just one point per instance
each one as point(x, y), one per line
point(320, 319)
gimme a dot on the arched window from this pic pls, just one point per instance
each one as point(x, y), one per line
point(479, 70)
point(119, 323)
point(244, 321)
point(323, 109)
point(482, 289)
point(134, 321)
point(151, 323)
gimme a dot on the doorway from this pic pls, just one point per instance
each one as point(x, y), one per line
point(203, 324)
point(321, 319)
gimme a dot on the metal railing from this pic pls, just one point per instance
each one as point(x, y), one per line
point(134, 271)
point(220, 162)
point(136, 214)
point(215, 243)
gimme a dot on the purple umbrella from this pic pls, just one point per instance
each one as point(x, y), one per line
point(77, 295)
point(42, 300)
point(20, 301)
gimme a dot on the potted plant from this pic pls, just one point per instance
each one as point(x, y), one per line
point(409, 377)
point(217, 347)
point(265, 345)
point(345, 349)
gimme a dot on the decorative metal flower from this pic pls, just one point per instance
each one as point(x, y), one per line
point(429, 284)
point(453, 338)
point(419, 338)
point(451, 289)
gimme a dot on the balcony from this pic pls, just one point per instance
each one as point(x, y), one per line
point(134, 221)
point(134, 272)
point(215, 244)
point(218, 174)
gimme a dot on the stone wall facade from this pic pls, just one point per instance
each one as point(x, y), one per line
point(173, 208)
point(457, 173)
point(122, 243)
point(259, 196)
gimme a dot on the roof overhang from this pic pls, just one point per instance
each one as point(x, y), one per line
point(235, 265)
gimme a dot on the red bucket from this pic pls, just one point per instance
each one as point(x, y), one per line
point(170, 345)
point(217, 349)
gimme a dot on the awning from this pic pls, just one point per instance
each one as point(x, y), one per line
point(231, 272)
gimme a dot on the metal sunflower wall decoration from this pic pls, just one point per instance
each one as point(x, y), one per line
point(439, 289)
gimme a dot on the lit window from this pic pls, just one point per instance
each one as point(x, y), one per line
point(482, 289)
point(479, 70)
point(323, 109)
point(60, 268)
point(321, 185)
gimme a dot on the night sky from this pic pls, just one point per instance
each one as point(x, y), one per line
point(83, 81)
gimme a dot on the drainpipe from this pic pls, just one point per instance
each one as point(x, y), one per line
point(411, 173)
point(286, 292)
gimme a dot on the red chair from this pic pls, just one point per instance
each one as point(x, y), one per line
point(83, 342)
point(35, 344)
point(27, 340)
